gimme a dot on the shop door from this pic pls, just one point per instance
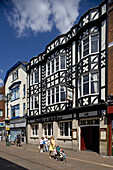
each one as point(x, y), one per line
point(90, 138)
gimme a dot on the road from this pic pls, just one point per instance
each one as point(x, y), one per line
point(28, 157)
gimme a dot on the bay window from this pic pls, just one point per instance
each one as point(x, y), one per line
point(56, 64)
point(88, 45)
point(88, 84)
point(56, 94)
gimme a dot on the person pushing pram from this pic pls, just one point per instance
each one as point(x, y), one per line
point(59, 154)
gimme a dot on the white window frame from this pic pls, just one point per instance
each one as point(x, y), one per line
point(88, 36)
point(90, 81)
point(33, 132)
point(63, 130)
point(59, 87)
point(51, 129)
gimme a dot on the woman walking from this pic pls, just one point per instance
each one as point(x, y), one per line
point(52, 146)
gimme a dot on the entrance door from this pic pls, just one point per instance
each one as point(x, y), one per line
point(90, 138)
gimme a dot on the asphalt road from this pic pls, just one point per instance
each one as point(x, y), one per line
point(28, 157)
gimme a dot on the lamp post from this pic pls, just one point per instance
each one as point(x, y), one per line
point(7, 99)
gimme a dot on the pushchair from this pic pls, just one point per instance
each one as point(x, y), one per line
point(60, 155)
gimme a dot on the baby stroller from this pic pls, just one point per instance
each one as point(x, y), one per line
point(60, 155)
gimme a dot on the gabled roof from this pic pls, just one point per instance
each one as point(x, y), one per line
point(24, 63)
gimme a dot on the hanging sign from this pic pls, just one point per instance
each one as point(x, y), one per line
point(69, 94)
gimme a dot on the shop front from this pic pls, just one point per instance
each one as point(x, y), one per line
point(18, 126)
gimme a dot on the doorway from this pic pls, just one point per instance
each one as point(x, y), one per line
point(90, 138)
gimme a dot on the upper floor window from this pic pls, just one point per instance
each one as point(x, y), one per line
point(56, 64)
point(56, 94)
point(23, 109)
point(15, 75)
point(1, 113)
point(15, 110)
point(34, 77)
point(89, 45)
point(88, 84)
point(24, 90)
point(34, 103)
point(1, 96)
point(15, 93)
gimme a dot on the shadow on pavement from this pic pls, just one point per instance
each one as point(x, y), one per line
point(7, 165)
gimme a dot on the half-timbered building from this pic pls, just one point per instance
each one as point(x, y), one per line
point(68, 85)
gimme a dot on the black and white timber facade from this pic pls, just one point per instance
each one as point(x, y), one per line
point(76, 61)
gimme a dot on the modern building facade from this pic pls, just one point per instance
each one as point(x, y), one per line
point(68, 87)
point(15, 89)
point(2, 113)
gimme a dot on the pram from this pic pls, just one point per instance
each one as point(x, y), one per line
point(60, 155)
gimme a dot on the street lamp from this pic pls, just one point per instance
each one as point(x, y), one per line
point(7, 99)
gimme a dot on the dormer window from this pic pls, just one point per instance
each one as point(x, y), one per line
point(15, 75)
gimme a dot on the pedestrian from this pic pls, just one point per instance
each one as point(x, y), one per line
point(46, 144)
point(41, 144)
point(52, 146)
point(18, 139)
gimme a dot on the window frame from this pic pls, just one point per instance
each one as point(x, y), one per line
point(62, 131)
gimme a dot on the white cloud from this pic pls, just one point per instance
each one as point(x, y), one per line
point(65, 13)
point(42, 15)
point(1, 81)
point(1, 70)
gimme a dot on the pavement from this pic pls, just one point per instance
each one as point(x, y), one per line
point(28, 157)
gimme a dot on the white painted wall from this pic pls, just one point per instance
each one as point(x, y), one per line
point(22, 76)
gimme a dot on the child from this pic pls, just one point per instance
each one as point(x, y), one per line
point(41, 144)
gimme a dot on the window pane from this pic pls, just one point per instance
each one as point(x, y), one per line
point(57, 63)
point(53, 95)
point(63, 93)
point(66, 128)
point(49, 129)
point(36, 101)
point(86, 46)
point(61, 129)
point(62, 60)
point(48, 96)
point(48, 69)
point(36, 76)
point(86, 88)
point(94, 43)
point(70, 128)
point(57, 94)
point(52, 63)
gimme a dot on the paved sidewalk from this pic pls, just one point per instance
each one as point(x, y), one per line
point(28, 156)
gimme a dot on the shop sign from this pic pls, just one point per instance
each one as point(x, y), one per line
point(1, 124)
point(88, 114)
point(69, 94)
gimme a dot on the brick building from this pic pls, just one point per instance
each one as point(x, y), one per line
point(2, 112)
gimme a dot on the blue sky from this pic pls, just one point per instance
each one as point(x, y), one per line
point(28, 26)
